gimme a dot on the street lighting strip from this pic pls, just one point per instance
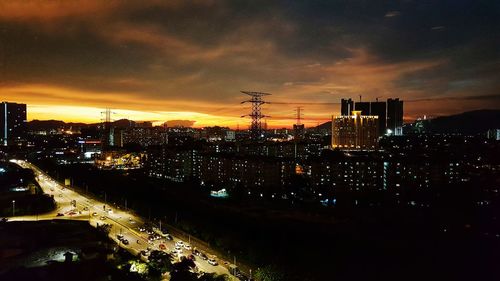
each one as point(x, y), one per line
point(47, 182)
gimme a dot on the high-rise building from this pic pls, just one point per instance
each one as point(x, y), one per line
point(394, 117)
point(298, 131)
point(355, 132)
point(363, 107)
point(347, 106)
point(379, 109)
point(13, 122)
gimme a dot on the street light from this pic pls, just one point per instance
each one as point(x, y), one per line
point(13, 208)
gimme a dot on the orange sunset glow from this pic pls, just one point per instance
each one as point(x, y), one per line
point(189, 60)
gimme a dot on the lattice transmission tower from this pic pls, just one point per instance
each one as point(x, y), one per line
point(256, 115)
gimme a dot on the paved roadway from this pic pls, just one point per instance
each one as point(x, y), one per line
point(97, 213)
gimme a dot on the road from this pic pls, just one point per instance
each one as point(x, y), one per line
point(75, 206)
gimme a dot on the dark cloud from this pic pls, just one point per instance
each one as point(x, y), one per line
point(196, 55)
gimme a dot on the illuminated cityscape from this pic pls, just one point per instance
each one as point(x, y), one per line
point(238, 141)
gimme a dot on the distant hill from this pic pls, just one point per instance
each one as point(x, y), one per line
point(42, 125)
point(37, 125)
point(470, 122)
point(324, 126)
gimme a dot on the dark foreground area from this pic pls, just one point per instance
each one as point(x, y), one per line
point(55, 250)
point(452, 239)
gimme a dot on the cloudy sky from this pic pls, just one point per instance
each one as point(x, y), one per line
point(188, 60)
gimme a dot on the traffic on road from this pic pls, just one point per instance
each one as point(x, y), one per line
point(128, 230)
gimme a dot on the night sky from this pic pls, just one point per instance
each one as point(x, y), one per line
point(188, 60)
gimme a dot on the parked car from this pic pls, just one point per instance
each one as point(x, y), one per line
point(60, 214)
point(187, 247)
point(125, 241)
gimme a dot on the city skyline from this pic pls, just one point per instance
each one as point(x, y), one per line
point(190, 60)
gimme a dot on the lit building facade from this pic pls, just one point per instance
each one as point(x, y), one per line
point(145, 136)
point(355, 132)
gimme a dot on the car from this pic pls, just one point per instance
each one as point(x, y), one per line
point(71, 213)
point(169, 237)
point(212, 261)
point(145, 253)
point(85, 208)
point(162, 247)
point(119, 236)
point(5, 219)
point(191, 257)
point(173, 253)
point(178, 249)
point(142, 229)
point(60, 214)
point(103, 218)
point(179, 243)
point(125, 241)
point(196, 252)
point(94, 214)
point(203, 256)
point(187, 247)
point(153, 237)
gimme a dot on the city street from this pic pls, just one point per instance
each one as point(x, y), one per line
point(72, 205)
